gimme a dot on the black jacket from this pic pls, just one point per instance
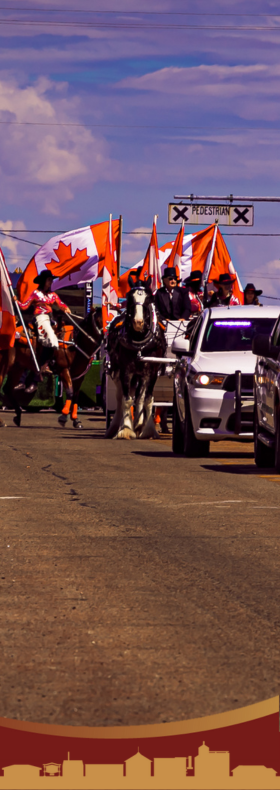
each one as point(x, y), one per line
point(177, 307)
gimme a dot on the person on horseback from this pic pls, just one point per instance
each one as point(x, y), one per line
point(42, 299)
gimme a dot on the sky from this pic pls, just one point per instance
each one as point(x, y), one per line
point(105, 109)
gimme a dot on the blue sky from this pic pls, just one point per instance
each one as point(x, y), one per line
point(115, 107)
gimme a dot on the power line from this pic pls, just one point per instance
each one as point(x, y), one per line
point(134, 13)
point(126, 233)
point(122, 26)
point(141, 126)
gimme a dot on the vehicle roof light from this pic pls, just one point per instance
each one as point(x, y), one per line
point(232, 323)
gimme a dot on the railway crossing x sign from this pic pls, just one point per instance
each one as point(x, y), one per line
point(205, 213)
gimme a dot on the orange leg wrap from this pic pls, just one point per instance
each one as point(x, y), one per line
point(66, 408)
point(74, 411)
point(132, 412)
point(157, 415)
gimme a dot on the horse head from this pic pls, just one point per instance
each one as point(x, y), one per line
point(95, 317)
point(139, 299)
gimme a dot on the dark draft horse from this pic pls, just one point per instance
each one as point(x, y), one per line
point(71, 365)
point(139, 332)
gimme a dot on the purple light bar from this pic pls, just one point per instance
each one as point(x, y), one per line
point(232, 323)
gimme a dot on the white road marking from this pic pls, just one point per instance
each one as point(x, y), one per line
point(11, 497)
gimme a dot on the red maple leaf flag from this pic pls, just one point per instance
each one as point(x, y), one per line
point(196, 252)
point(7, 315)
point(150, 265)
point(109, 278)
point(174, 259)
point(74, 258)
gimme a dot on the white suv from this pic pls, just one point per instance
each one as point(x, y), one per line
point(213, 381)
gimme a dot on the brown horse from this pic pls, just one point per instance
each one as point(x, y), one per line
point(71, 364)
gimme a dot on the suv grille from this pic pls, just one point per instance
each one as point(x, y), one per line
point(247, 383)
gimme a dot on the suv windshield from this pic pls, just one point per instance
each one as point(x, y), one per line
point(234, 334)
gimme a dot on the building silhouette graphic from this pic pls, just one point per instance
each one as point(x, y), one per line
point(208, 770)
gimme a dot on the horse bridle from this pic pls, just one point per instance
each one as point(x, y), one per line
point(149, 337)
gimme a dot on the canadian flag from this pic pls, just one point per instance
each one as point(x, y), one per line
point(150, 265)
point(175, 257)
point(205, 250)
point(74, 258)
point(109, 278)
point(7, 316)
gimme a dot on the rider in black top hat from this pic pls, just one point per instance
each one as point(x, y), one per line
point(172, 301)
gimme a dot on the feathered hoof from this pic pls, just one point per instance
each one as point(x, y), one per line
point(77, 424)
point(149, 432)
point(2, 424)
point(126, 433)
point(63, 419)
point(16, 420)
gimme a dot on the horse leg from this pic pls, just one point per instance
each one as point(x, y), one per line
point(74, 411)
point(12, 381)
point(116, 421)
point(149, 430)
point(7, 358)
point(68, 386)
point(126, 427)
point(139, 412)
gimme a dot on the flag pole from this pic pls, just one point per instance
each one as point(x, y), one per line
point(209, 264)
point(8, 281)
point(120, 246)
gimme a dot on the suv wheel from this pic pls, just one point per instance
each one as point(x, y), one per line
point(178, 430)
point(193, 448)
point(264, 456)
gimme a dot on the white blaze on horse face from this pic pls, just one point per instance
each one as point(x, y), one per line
point(139, 298)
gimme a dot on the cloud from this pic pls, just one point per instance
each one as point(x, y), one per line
point(250, 92)
point(47, 161)
point(13, 257)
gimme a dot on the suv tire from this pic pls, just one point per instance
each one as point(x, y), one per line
point(264, 456)
point(177, 430)
point(193, 448)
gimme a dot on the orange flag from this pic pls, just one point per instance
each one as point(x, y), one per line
point(196, 254)
point(7, 316)
point(109, 278)
point(150, 265)
point(174, 259)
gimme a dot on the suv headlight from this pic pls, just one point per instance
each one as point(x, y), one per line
point(207, 380)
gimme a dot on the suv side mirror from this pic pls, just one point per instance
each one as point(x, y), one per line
point(181, 345)
point(262, 347)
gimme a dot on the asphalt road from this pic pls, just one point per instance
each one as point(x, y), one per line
point(136, 587)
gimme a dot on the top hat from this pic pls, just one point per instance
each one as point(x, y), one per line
point(251, 287)
point(194, 277)
point(225, 279)
point(43, 276)
point(170, 271)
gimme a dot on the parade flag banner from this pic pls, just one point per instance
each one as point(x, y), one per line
point(7, 316)
point(109, 278)
point(175, 257)
point(150, 265)
point(74, 258)
point(196, 251)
